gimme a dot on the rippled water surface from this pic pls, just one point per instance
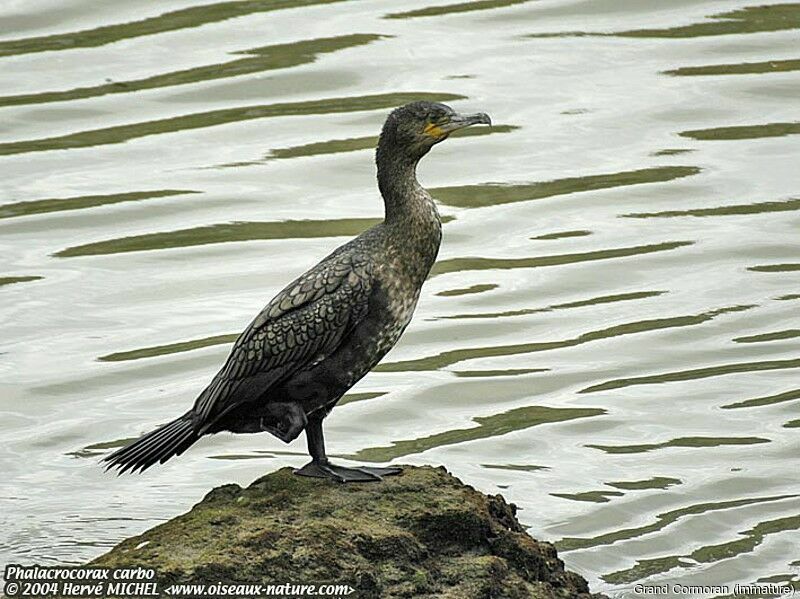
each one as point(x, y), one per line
point(611, 336)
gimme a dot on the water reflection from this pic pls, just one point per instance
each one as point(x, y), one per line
point(449, 9)
point(12, 280)
point(749, 540)
point(464, 264)
point(695, 373)
point(657, 482)
point(743, 132)
point(775, 268)
point(194, 16)
point(354, 397)
point(222, 233)
point(747, 20)
point(515, 467)
point(561, 235)
point(468, 290)
point(451, 357)
point(492, 194)
point(774, 336)
point(681, 442)
point(214, 118)
point(82, 202)
point(488, 426)
point(170, 348)
point(663, 520)
point(268, 58)
point(765, 401)
point(731, 210)
point(603, 299)
point(602, 496)
point(339, 146)
point(745, 68)
point(752, 19)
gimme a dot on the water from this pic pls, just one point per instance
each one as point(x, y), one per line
point(611, 337)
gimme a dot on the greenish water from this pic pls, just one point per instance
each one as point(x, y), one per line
point(611, 335)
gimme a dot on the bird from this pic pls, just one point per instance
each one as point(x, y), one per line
point(329, 327)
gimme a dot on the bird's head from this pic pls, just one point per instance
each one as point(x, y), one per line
point(413, 129)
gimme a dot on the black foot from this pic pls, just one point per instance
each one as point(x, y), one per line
point(342, 474)
point(390, 471)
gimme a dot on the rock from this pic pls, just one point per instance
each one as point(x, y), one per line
point(421, 534)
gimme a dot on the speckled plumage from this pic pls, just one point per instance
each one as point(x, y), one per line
point(323, 332)
point(333, 324)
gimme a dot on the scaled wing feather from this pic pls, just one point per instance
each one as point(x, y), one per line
point(302, 324)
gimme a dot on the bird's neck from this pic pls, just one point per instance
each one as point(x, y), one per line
point(412, 220)
point(404, 198)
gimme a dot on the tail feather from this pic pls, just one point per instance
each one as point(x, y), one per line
point(158, 438)
point(159, 445)
point(141, 446)
point(173, 446)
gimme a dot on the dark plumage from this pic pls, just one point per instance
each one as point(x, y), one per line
point(330, 326)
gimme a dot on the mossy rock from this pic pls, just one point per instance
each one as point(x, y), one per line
point(422, 534)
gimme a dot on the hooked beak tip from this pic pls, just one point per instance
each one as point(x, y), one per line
point(481, 119)
point(461, 122)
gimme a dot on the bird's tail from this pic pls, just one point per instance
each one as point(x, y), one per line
point(156, 446)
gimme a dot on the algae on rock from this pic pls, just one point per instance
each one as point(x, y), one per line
point(422, 534)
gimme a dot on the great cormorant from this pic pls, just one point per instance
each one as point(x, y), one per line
point(331, 325)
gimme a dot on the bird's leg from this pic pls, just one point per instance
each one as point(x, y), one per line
point(321, 467)
point(285, 420)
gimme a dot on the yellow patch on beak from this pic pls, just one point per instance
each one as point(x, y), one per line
point(434, 131)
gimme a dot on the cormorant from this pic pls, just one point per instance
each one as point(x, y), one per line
point(331, 325)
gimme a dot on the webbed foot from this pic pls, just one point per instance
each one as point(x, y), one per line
point(388, 471)
point(343, 474)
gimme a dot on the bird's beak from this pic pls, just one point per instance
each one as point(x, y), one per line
point(460, 121)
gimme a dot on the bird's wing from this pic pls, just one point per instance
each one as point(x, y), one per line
point(301, 325)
